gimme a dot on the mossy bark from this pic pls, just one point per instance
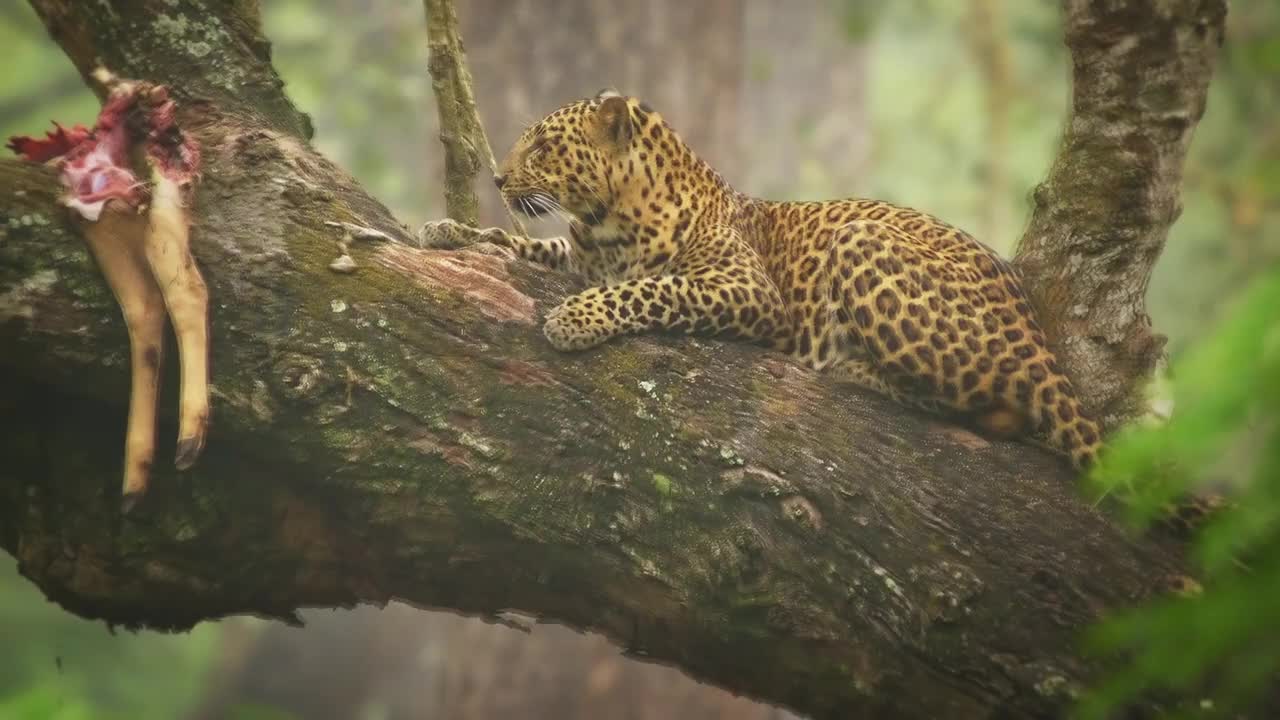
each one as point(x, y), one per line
point(405, 431)
point(1140, 79)
point(207, 51)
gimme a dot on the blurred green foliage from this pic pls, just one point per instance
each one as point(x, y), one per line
point(929, 123)
point(1230, 226)
point(367, 91)
point(1217, 645)
point(1216, 648)
point(359, 69)
point(56, 665)
point(50, 89)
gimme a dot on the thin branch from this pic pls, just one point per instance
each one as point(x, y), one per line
point(461, 132)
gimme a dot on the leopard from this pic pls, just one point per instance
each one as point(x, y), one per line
point(875, 294)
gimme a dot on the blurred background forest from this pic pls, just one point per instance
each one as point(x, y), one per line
point(951, 107)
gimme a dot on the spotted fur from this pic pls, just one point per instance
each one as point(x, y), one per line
point(882, 296)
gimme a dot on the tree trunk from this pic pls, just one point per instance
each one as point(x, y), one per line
point(406, 432)
point(1140, 81)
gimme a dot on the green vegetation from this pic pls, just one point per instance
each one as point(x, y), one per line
point(1219, 645)
point(61, 667)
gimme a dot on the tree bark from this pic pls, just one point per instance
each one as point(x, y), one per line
point(221, 59)
point(405, 432)
point(1140, 76)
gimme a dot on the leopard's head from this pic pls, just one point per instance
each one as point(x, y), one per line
point(565, 161)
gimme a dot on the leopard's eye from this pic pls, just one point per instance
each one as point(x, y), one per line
point(535, 151)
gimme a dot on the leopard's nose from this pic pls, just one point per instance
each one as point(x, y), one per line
point(499, 180)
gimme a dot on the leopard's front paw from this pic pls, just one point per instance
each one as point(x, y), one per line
point(446, 234)
point(568, 328)
point(449, 234)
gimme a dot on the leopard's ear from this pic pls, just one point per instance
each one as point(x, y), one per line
point(613, 117)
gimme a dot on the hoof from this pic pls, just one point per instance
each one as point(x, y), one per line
point(129, 501)
point(188, 452)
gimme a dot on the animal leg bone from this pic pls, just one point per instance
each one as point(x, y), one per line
point(140, 238)
point(168, 252)
point(116, 243)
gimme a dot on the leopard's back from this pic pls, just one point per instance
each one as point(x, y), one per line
point(940, 315)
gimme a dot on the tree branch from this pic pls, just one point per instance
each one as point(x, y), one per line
point(207, 50)
point(404, 431)
point(1140, 76)
point(461, 132)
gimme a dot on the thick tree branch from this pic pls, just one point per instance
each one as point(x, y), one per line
point(207, 50)
point(404, 431)
point(1140, 75)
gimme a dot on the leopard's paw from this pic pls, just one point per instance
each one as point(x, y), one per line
point(568, 329)
point(446, 234)
point(449, 234)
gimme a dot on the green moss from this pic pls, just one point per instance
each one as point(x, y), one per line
point(611, 365)
point(662, 484)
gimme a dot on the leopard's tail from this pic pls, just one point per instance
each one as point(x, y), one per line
point(1057, 418)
